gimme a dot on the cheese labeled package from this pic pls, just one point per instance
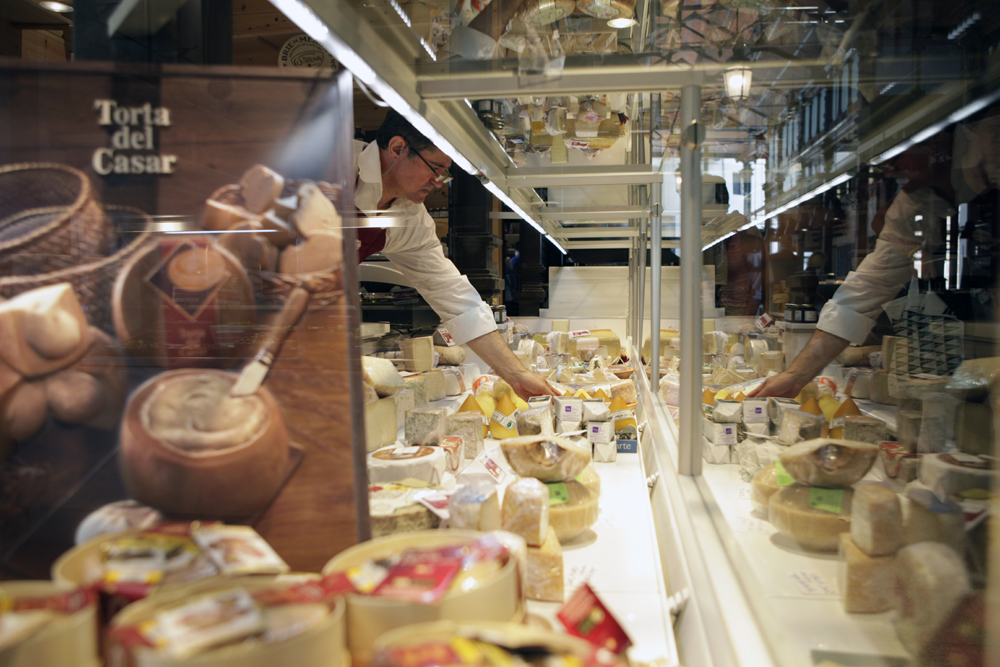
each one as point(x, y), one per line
point(624, 420)
point(568, 408)
point(525, 510)
point(238, 550)
point(548, 458)
point(829, 462)
point(208, 621)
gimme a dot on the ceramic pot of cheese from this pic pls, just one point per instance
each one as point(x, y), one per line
point(191, 450)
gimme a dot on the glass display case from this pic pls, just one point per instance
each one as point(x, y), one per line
point(832, 162)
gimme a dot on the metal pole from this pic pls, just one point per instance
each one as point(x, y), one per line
point(689, 448)
point(656, 253)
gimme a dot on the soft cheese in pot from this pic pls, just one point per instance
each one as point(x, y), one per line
point(195, 412)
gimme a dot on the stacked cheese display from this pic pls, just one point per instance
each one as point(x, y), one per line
point(550, 505)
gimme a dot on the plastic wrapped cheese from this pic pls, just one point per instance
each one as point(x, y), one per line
point(536, 421)
point(382, 374)
point(576, 515)
point(474, 506)
point(549, 458)
point(931, 579)
point(812, 528)
point(525, 510)
point(876, 520)
point(545, 580)
point(829, 462)
point(798, 425)
point(866, 582)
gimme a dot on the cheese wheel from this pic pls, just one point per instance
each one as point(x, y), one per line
point(382, 374)
point(450, 356)
point(811, 528)
point(590, 479)
point(544, 12)
point(402, 464)
point(525, 510)
point(829, 462)
point(548, 458)
point(569, 520)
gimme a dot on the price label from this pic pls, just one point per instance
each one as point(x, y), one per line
point(558, 493)
point(764, 321)
point(784, 479)
point(446, 337)
point(828, 500)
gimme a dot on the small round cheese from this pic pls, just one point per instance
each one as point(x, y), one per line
point(572, 518)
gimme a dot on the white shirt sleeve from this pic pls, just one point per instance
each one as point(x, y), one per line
point(855, 306)
point(415, 251)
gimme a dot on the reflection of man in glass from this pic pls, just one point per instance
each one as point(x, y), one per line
point(395, 175)
point(932, 189)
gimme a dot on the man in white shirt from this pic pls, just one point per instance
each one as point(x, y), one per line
point(395, 175)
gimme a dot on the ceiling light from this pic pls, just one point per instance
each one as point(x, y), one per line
point(622, 22)
point(738, 81)
point(60, 7)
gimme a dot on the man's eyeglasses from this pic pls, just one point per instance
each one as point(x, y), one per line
point(439, 178)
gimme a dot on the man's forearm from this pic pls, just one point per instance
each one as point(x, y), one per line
point(821, 349)
point(492, 349)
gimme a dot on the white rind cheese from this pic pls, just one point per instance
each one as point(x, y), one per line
point(398, 464)
point(382, 374)
point(931, 580)
point(876, 520)
point(525, 510)
point(426, 426)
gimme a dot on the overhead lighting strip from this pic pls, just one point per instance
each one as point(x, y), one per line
point(306, 19)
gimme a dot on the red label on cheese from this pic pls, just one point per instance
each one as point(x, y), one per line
point(585, 616)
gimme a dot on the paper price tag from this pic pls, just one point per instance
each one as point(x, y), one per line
point(828, 500)
point(448, 340)
point(558, 493)
point(492, 467)
point(764, 321)
point(783, 478)
point(579, 334)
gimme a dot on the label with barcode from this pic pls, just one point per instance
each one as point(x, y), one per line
point(509, 422)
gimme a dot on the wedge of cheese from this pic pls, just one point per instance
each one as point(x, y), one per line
point(475, 507)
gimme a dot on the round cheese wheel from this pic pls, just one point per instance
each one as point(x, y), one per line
point(206, 455)
point(811, 528)
point(544, 12)
point(548, 458)
point(397, 464)
point(572, 518)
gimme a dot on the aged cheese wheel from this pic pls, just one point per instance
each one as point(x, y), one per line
point(399, 464)
point(572, 518)
point(189, 449)
point(811, 528)
point(548, 458)
point(173, 298)
point(590, 479)
point(300, 634)
point(829, 462)
point(544, 12)
point(497, 598)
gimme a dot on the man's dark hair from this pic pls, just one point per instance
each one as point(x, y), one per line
point(395, 125)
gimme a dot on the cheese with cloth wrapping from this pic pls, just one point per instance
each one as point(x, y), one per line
point(548, 458)
point(829, 462)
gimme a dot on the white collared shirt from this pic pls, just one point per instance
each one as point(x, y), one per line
point(909, 226)
point(413, 248)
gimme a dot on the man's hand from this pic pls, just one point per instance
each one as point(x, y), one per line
point(528, 384)
point(782, 385)
point(494, 351)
